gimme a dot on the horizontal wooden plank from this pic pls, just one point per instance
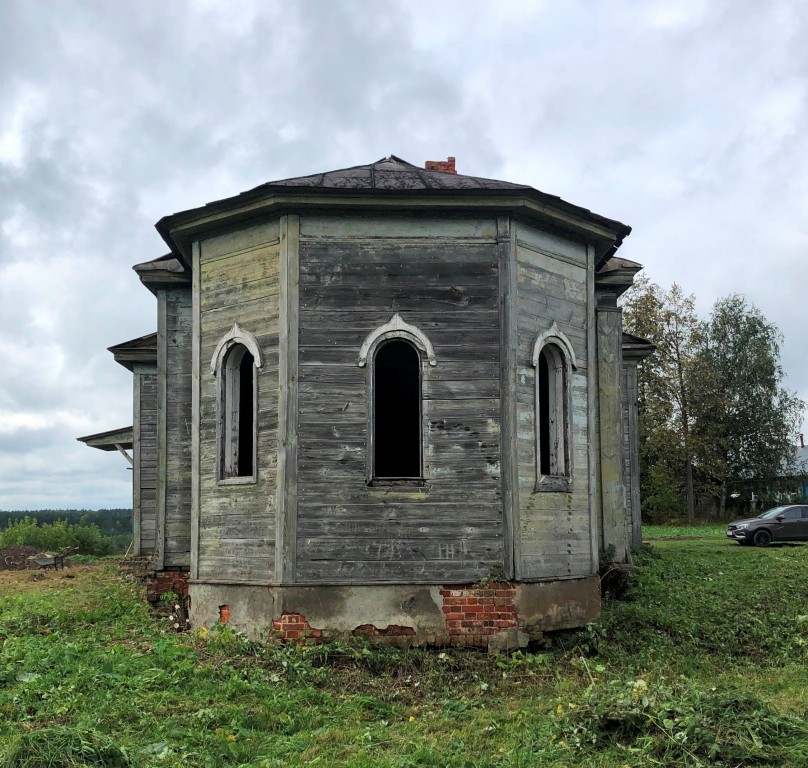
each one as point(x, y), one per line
point(243, 239)
point(395, 299)
point(439, 337)
point(257, 315)
point(425, 320)
point(237, 568)
point(233, 547)
point(393, 227)
point(232, 294)
point(312, 527)
point(240, 268)
point(407, 276)
point(446, 353)
point(383, 508)
point(374, 571)
point(221, 528)
point(344, 368)
point(349, 548)
point(549, 243)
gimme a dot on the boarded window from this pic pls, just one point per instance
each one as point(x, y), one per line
point(238, 425)
point(552, 417)
point(397, 410)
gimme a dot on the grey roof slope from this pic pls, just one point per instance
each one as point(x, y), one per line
point(140, 350)
point(111, 439)
point(394, 177)
point(389, 173)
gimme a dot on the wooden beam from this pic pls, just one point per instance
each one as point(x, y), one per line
point(286, 490)
point(593, 440)
point(506, 249)
point(162, 441)
point(125, 454)
point(196, 371)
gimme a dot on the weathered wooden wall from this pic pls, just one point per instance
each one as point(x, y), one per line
point(239, 283)
point(553, 536)
point(174, 401)
point(440, 275)
point(614, 537)
point(145, 461)
point(631, 451)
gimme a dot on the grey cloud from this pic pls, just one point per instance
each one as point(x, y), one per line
point(690, 130)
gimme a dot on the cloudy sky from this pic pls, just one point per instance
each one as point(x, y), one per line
point(687, 119)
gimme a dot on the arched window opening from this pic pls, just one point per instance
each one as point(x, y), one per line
point(552, 413)
point(245, 416)
point(238, 414)
point(397, 410)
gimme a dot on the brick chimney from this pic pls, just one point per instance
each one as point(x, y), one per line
point(445, 166)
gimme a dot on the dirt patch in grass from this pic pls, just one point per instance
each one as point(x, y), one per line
point(13, 582)
point(16, 558)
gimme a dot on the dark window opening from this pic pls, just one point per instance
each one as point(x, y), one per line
point(552, 428)
point(544, 415)
point(237, 424)
point(245, 416)
point(397, 410)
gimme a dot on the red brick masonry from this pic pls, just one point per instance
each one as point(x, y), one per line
point(167, 581)
point(293, 626)
point(446, 166)
point(474, 613)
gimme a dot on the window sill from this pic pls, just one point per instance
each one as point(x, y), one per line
point(553, 484)
point(402, 483)
point(248, 480)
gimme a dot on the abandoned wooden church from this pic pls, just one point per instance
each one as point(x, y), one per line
point(388, 400)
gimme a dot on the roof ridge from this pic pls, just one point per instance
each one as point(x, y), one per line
point(400, 160)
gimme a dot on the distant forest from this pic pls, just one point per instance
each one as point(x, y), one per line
point(111, 522)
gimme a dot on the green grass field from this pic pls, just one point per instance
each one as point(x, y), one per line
point(701, 662)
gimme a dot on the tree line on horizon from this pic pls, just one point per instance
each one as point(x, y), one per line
point(111, 522)
point(717, 428)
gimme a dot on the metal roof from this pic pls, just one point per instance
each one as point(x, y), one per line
point(390, 178)
point(389, 173)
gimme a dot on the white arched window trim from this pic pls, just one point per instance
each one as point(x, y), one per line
point(223, 366)
point(560, 407)
point(554, 336)
point(234, 336)
point(395, 328)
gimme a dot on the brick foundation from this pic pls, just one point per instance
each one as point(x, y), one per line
point(293, 626)
point(393, 630)
point(475, 613)
point(472, 615)
point(175, 581)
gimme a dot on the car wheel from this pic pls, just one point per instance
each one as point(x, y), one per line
point(762, 538)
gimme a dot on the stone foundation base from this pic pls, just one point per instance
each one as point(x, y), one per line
point(411, 615)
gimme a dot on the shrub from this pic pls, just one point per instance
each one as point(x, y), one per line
point(55, 536)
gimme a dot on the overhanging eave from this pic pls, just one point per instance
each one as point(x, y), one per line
point(180, 230)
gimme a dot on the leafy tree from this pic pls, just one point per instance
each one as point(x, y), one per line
point(668, 444)
point(745, 417)
point(713, 412)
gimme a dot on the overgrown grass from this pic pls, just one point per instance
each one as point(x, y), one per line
point(702, 664)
